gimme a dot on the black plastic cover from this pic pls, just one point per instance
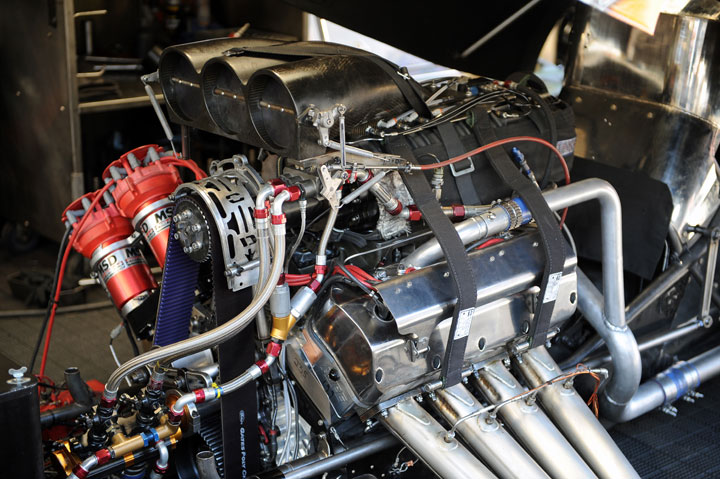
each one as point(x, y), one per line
point(21, 439)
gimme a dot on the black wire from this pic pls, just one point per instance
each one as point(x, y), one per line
point(131, 336)
point(331, 281)
point(547, 111)
point(51, 301)
point(366, 290)
point(314, 220)
point(350, 276)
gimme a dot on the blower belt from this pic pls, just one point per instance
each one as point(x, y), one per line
point(177, 294)
point(461, 271)
point(238, 409)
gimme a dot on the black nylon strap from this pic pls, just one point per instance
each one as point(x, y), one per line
point(553, 242)
point(461, 271)
point(454, 147)
point(410, 89)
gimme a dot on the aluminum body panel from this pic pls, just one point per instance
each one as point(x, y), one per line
point(652, 103)
point(678, 66)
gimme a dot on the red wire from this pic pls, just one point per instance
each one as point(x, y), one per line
point(358, 271)
point(61, 273)
point(505, 141)
point(490, 242)
point(298, 279)
point(355, 272)
point(187, 163)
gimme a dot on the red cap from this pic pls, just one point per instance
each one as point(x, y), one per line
point(278, 186)
point(105, 225)
point(396, 211)
point(199, 395)
point(263, 366)
point(145, 184)
point(80, 471)
point(295, 192)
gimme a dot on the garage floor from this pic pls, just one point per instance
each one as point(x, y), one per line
point(78, 339)
point(658, 445)
point(687, 446)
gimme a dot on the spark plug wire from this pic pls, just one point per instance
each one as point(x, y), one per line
point(77, 228)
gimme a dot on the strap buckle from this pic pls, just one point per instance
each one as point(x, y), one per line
point(464, 171)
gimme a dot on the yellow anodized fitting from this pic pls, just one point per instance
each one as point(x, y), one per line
point(282, 326)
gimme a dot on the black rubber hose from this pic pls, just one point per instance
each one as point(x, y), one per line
point(78, 388)
point(51, 301)
point(63, 414)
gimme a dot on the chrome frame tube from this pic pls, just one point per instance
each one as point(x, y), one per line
point(627, 365)
point(573, 417)
point(424, 436)
point(530, 425)
point(485, 435)
point(318, 464)
point(672, 384)
point(653, 341)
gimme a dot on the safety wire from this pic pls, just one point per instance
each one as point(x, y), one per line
point(113, 335)
point(398, 467)
point(580, 369)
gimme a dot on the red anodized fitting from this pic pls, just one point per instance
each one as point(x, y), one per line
point(273, 349)
point(103, 456)
point(143, 195)
point(121, 267)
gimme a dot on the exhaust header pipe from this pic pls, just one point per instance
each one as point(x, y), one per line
point(530, 425)
point(484, 434)
point(424, 436)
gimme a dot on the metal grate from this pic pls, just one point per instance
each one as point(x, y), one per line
point(686, 446)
